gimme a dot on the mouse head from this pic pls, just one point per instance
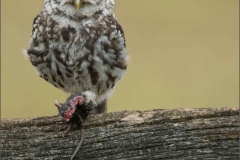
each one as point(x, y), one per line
point(66, 110)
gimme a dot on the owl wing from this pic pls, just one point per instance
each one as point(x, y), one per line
point(117, 40)
point(44, 60)
point(37, 47)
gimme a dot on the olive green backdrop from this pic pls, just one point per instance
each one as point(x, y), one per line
point(184, 54)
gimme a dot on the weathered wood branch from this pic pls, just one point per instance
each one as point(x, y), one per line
point(129, 135)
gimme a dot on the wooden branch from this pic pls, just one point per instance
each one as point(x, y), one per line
point(211, 133)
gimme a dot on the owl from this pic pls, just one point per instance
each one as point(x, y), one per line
point(79, 47)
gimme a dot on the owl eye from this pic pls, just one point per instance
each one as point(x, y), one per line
point(91, 2)
point(64, 2)
point(85, 2)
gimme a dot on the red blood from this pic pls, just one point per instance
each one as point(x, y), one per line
point(78, 100)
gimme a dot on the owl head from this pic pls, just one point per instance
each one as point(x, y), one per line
point(86, 3)
point(77, 8)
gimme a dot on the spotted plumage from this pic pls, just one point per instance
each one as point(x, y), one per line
point(79, 50)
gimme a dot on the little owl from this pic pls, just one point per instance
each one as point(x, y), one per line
point(79, 46)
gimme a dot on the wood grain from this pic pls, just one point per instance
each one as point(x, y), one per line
point(211, 133)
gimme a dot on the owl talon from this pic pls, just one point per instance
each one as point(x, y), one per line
point(90, 98)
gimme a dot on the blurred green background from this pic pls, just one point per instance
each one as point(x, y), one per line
point(184, 54)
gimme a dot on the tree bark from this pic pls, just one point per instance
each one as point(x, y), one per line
point(211, 133)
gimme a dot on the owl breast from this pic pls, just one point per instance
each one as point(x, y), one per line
point(78, 55)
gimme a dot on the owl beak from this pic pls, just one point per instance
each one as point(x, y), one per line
point(77, 4)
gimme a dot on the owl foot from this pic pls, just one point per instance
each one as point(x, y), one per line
point(100, 108)
point(89, 98)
